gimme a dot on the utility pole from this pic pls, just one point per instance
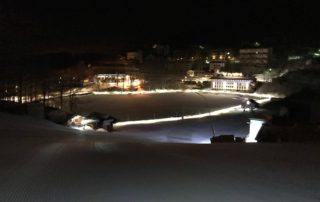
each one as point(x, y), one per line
point(207, 105)
point(61, 91)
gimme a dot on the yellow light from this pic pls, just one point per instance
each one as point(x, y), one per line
point(136, 82)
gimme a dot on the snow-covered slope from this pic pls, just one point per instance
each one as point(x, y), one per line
point(24, 126)
point(50, 163)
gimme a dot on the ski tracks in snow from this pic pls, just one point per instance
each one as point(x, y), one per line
point(25, 181)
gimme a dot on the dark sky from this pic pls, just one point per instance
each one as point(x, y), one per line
point(221, 23)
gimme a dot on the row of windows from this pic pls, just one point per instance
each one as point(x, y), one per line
point(254, 56)
point(230, 85)
point(219, 85)
point(241, 86)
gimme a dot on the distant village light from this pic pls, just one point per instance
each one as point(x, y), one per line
point(294, 58)
point(257, 44)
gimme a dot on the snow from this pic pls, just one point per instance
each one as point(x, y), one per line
point(41, 161)
point(152, 106)
point(194, 131)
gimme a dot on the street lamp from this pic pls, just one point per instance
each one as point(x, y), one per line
point(207, 105)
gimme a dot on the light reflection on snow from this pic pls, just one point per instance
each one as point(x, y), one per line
point(206, 141)
point(250, 138)
point(86, 91)
point(149, 121)
point(159, 91)
point(197, 116)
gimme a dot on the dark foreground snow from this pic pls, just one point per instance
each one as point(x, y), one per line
point(41, 161)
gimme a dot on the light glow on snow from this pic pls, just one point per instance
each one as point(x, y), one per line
point(149, 121)
point(85, 91)
point(197, 116)
point(159, 91)
point(207, 141)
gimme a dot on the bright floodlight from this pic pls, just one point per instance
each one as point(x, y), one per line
point(255, 126)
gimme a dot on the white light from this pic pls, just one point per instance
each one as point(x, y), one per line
point(255, 126)
point(87, 121)
point(136, 82)
point(159, 91)
point(197, 116)
point(207, 141)
point(150, 121)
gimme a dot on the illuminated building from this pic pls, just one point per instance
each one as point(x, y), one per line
point(219, 59)
point(222, 55)
point(232, 81)
point(121, 81)
point(259, 57)
point(236, 84)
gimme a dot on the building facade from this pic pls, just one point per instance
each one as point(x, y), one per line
point(232, 84)
point(259, 57)
point(118, 81)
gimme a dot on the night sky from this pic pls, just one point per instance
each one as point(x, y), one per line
point(216, 23)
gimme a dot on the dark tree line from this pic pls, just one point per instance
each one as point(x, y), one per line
point(24, 80)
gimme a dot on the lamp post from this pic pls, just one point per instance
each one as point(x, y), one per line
point(207, 105)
